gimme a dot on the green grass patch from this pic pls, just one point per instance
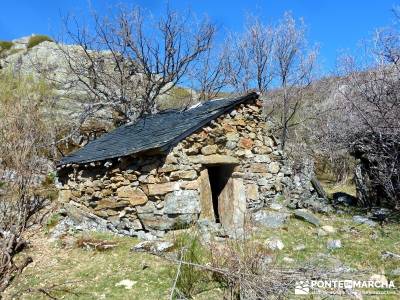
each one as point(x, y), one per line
point(52, 221)
point(78, 273)
point(82, 272)
point(49, 179)
point(14, 51)
point(362, 246)
point(37, 39)
point(2, 184)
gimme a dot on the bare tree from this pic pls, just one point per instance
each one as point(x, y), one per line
point(24, 143)
point(249, 63)
point(366, 121)
point(209, 75)
point(128, 62)
point(261, 42)
point(372, 96)
point(237, 64)
point(294, 66)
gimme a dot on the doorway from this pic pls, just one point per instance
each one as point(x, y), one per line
point(219, 176)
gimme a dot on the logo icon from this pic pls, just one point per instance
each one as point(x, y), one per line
point(302, 288)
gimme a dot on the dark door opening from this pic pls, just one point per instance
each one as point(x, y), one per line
point(218, 176)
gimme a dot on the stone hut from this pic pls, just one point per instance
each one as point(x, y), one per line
point(214, 161)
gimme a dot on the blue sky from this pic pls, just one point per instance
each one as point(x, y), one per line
point(336, 25)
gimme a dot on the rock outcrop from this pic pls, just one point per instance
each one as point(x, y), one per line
point(377, 174)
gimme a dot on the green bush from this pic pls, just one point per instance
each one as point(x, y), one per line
point(52, 221)
point(5, 45)
point(37, 39)
point(49, 179)
point(191, 280)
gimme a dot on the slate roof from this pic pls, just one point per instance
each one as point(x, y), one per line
point(153, 132)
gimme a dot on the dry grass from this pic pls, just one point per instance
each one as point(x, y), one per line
point(37, 39)
point(95, 244)
point(331, 187)
point(90, 274)
point(221, 270)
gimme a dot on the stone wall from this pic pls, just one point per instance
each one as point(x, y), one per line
point(157, 193)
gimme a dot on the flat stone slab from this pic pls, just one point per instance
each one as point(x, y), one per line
point(307, 216)
point(390, 255)
point(276, 206)
point(326, 230)
point(334, 244)
point(153, 246)
point(182, 202)
point(126, 283)
point(299, 247)
point(364, 220)
point(270, 219)
point(396, 272)
point(274, 243)
point(214, 159)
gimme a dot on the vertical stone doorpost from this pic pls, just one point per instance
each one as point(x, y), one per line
point(232, 206)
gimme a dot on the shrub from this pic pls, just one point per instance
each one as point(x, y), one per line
point(241, 268)
point(5, 45)
point(243, 262)
point(24, 135)
point(191, 280)
point(52, 221)
point(49, 179)
point(37, 39)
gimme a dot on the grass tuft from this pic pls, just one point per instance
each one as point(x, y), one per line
point(191, 280)
point(37, 39)
point(52, 221)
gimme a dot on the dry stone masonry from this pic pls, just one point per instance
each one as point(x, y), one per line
point(222, 172)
